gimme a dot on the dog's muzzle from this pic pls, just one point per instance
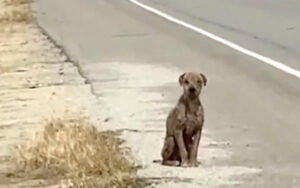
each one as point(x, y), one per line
point(192, 90)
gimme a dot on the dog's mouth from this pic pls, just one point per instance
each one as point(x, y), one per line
point(192, 94)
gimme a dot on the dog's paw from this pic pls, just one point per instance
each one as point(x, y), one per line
point(194, 163)
point(184, 164)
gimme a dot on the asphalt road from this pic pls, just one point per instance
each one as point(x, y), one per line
point(268, 27)
point(251, 104)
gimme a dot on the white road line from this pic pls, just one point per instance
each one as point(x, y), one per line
point(234, 46)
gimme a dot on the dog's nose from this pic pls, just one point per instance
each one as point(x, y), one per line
point(192, 89)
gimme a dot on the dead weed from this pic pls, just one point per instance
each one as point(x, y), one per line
point(16, 2)
point(80, 154)
point(15, 11)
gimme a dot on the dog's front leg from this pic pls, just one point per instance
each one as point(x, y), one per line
point(194, 151)
point(181, 147)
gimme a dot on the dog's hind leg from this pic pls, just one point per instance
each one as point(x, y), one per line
point(171, 163)
point(169, 152)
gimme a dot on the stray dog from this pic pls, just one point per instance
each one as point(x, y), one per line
point(184, 124)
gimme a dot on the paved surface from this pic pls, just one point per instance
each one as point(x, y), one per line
point(268, 27)
point(132, 59)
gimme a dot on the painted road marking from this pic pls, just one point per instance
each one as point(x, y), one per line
point(279, 65)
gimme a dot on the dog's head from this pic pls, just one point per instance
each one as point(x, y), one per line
point(192, 83)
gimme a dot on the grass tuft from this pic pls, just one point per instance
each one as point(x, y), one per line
point(15, 11)
point(80, 154)
point(16, 2)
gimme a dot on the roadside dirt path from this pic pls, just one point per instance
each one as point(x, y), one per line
point(37, 83)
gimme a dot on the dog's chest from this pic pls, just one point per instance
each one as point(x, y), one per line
point(193, 123)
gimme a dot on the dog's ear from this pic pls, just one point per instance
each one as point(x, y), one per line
point(204, 79)
point(181, 78)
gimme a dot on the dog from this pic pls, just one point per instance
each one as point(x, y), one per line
point(184, 124)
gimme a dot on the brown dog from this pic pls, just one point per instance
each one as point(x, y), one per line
point(184, 124)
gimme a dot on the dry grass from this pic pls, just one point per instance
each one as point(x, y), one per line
point(16, 2)
point(79, 153)
point(15, 11)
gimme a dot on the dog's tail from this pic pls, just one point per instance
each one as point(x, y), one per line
point(157, 161)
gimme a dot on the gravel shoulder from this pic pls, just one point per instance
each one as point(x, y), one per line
point(37, 84)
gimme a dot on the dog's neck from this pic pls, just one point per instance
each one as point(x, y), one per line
point(191, 103)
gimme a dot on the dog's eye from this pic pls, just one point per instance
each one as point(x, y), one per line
point(186, 82)
point(199, 82)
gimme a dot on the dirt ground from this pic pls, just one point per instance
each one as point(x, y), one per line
point(37, 83)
